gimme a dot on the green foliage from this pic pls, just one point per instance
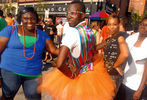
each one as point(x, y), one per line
point(145, 14)
point(39, 7)
point(8, 8)
point(136, 18)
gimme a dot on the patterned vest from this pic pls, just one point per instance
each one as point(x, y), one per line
point(87, 41)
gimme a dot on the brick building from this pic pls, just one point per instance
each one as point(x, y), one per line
point(137, 6)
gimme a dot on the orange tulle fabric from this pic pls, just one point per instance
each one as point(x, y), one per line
point(91, 85)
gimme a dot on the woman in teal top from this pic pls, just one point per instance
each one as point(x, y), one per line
point(21, 55)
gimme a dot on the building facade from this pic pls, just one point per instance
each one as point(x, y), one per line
point(57, 8)
point(137, 6)
point(54, 6)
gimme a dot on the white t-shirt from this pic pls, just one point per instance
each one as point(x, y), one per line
point(136, 62)
point(59, 29)
point(71, 39)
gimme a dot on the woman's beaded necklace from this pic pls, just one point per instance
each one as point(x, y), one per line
point(24, 44)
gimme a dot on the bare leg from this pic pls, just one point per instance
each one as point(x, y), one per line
point(50, 58)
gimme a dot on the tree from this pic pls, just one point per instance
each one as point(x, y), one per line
point(136, 18)
point(39, 7)
point(8, 8)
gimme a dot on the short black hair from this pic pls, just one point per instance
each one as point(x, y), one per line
point(25, 10)
point(113, 16)
point(81, 4)
point(1, 13)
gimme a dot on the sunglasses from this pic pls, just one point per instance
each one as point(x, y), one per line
point(73, 13)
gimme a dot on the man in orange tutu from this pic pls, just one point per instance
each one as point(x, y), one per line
point(85, 79)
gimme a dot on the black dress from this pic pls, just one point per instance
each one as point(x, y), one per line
point(111, 54)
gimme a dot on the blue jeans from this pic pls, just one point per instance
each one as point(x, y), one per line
point(11, 83)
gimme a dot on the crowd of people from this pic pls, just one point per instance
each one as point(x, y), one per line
point(93, 63)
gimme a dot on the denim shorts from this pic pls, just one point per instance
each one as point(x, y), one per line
point(11, 83)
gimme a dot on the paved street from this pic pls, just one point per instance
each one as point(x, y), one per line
point(20, 95)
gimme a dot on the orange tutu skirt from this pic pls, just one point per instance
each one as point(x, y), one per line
point(91, 85)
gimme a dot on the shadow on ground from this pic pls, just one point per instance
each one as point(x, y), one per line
point(46, 66)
